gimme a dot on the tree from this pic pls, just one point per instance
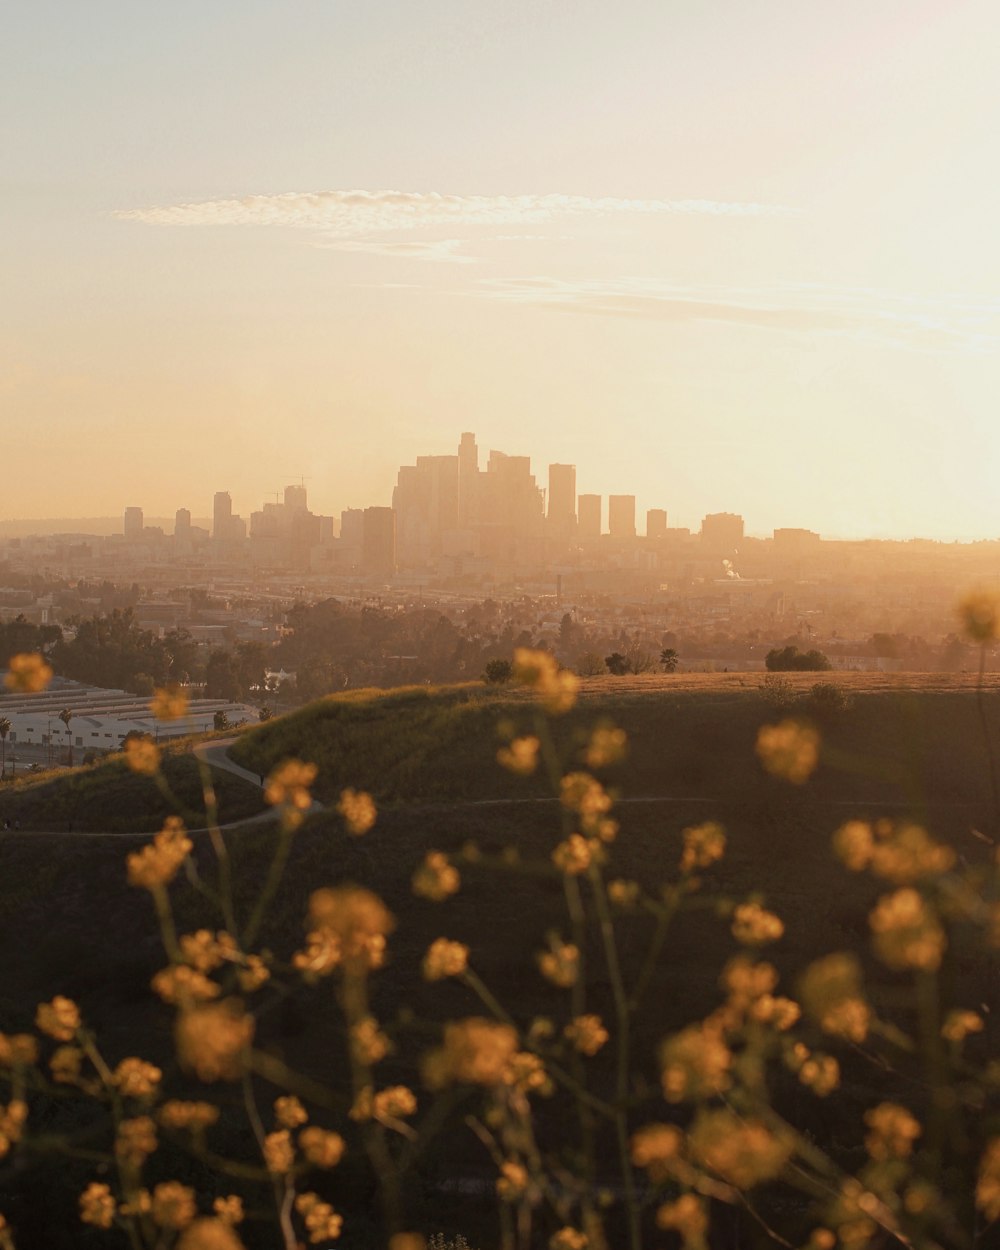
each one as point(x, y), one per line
point(220, 720)
point(669, 659)
point(5, 728)
point(265, 713)
point(639, 659)
point(791, 660)
point(498, 672)
point(590, 664)
point(617, 663)
point(66, 715)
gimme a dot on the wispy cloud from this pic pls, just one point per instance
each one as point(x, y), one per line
point(921, 323)
point(409, 249)
point(357, 214)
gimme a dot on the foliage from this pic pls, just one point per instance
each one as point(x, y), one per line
point(498, 672)
point(791, 660)
point(669, 659)
point(617, 664)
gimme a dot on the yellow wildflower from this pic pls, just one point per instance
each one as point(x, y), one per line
point(436, 878)
point(368, 1043)
point(623, 893)
point(685, 1215)
point(358, 810)
point(137, 1079)
point(288, 788)
point(27, 673)
point(445, 959)
point(173, 1205)
point(59, 1019)
point(142, 755)
point(907, 933)
point(988, 1182)
point(12, 1120)
point(210, 1234)
point(195, 1116)
point(521, 756)
point(289, 1112)
point(831, 993)
point(743, 1152)
point(279, 1154)
point(65, 1064)
point(789, 750)
point(573, 856)
point(656, 1147)
point(211, 1039)
point(169, 702)
point(586, 1034)
point(18, 1050)
point(97, 1206)
point(526, 1073)
point(556, 688)
point(753, 926)
point(902, 853)
point(136, 1140)
point(320, 1148)
point(569, 1239)
point(157, 863)
point(584, 795)
point(358, 920)
point(853, 844)
point(703, 845)
point(606, 746)
point(476, 1051)
point(229, 1209)
point(892, 1132)
point(820, 1073)
point(560, 964)
point(695, 1064)
point(321, 1221)
point(394, 1103)
point(959, 1024)
point(253, 974)
point(183, 986)
point(980, 615)
point(512, 1183)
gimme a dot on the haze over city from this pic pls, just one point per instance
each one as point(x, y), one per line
point(730, 258)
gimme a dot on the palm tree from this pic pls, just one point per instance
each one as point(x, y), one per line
point(5, 728)
point(66, 715)
point(668, 660)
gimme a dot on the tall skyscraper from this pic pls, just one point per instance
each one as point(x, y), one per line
point(589, 517)
point(656, 523)
point(222, 514)
point(295, 499)
point(468, 480)
point(378, 547)
point(561, 514)
point(621, 516)
point(182, 523)
point(133, 523)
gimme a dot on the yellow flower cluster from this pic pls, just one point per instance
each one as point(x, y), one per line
point(586, 1034)
point(289, 1112)
point(368, 1043)
point(357, 921)
point(436, 878)
point(901, 853)
point(142, 755)
point(688, 1216)
point(445, 959)
point(211, 1039)
point(820, 1073)
point(988, 1182)
point(743, 1151)
point(321, 1221)
point(959, 1024)
point(476, 1051)
point(656, 1147)
point(182, 986)
point(753, 926)
point(526, 1074)
point(137, 1079)
point(194, 1116)
point(12, 1121)
point(27, 673)
point(622, 893)
point(907, 934)
point(169, 703)
point(556, 688)
point(59, 1019)
point(394, 1103)
point(574, 855)
point(512, 1183)
point(97, 1206)
point(157, 864)
point(892, 1132)
point(18, 1050)
point(606, 747)
point(66, 1064)
point(279, 1153)
point(979, 612)
point(520, 756)
point(569, 1239)
point(287, 787)
point(694, 1064)
point(560, 964)
point(789, 750)
point(173, 1205)
point(831, 992)
point(358, 810)
point(229, 1209)
point(136, 1140)
point(321, 1148)
point(210, 1234)
point(583, 794)
point(703, 845)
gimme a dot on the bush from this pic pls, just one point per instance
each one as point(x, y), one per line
point(792, 660)
point(827, 700)
point(498, 672)
point(778, 692)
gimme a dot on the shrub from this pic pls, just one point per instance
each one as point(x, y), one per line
point(498, 672)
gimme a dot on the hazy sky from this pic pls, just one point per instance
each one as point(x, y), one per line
point(723, 254)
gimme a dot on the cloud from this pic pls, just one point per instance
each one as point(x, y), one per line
point(920, 323)
point(357, 214)
point(415, 249)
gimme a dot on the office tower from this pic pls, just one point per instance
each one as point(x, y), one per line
point(562, 498)
point(133, 523)
point(378, 546)
point(182, 523)
point(222, 514)
point(656, 523)
point(352, 527)
point(589, 517)
point(295, 498)
point(721, 533)
point(468, 479)
point(621, 516)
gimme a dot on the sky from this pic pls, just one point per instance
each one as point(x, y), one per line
point(725, 256)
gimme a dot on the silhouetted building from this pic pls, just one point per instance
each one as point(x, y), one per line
point(182, 523)
point(561, 513)
point(621, 516)
point(589, 517)
point(656, 523)
point(222, 514)
point(722, 533)
point(379, 540)
point(295, 499)
point(133, 523)
point(468, 480)
point(352, 527)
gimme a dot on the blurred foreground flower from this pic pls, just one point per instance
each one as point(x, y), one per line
point(288, 788)
point(27, 673)
point(980, 615)
point(556, 688)
point(142, 755)
point(358, 810)
point(169, 702)
point(789, 750)
point(156, 865)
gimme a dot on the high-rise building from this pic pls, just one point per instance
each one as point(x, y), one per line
point(561, 513)
point(182, 523)
point(378, 546)
point(721, 533)
point(656, 523)
point(352, 527)
point(621, 516)
point(222, 514)
point(295, 499)
point(589, 517)
point(133, 523)
point(468, 480)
